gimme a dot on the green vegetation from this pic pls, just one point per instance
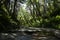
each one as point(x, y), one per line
point(38, 13)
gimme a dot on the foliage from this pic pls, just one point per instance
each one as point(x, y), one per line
point(37, 13)
point(6, 21)
point(42, 14)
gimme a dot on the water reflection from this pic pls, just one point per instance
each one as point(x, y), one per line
point(24, 37)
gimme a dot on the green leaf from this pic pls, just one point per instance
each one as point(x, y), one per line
point(37, 0)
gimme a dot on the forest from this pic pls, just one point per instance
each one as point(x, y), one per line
point(15, 14)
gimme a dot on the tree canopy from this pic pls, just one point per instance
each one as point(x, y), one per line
point(29, 13)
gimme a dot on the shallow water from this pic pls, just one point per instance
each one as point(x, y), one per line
point(21, 36)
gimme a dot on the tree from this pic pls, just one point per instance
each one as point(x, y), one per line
point(8, 21)
point(43, 14)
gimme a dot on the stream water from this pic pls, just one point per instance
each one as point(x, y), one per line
point(21, 36)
